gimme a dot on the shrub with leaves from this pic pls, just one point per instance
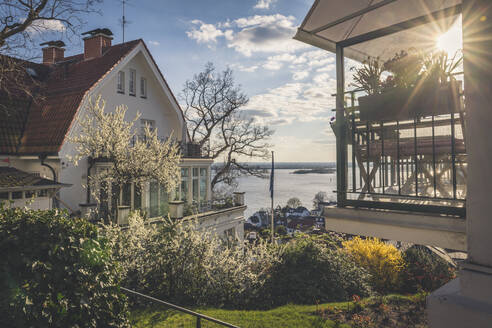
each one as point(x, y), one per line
point(382, 260)
point(311, 272)
point(424, 270)
point(174, 261)
point(56, 272)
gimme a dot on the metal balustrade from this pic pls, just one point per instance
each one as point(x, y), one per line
point(405, 161)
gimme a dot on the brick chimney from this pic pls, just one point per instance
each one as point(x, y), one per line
point(53, 52)
point(97, 41)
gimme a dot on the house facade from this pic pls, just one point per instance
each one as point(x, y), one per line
point(35, 137)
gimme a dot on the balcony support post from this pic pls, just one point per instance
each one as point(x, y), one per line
point(341, 127)
point(467, 300)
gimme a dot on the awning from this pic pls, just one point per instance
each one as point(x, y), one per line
point(377, 28)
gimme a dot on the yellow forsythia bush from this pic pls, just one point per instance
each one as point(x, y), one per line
point(383, 261)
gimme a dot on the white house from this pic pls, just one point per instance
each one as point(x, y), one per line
point(34, 137)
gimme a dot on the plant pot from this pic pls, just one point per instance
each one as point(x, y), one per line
point(404, 104)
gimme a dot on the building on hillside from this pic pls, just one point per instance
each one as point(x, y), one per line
point(33, 137)
point(423, 151)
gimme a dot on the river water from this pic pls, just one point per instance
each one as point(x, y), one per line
point(287, 185)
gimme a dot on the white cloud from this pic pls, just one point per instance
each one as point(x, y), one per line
point(270, 34)
point(295, 101)
point(300, 75)
point(253, 34)
point(242, 68)
point(41, 26)
point(264, 4)
point(326, 68)
point(206, 33)
point(272, 65)
point(154, 43)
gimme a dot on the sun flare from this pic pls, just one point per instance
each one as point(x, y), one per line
point(452, 40)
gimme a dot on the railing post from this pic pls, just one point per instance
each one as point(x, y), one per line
point(341, 126)
point(198, 322)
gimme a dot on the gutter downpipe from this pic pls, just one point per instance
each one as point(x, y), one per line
point(42, 157)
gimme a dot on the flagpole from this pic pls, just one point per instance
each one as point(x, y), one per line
point(271, 193)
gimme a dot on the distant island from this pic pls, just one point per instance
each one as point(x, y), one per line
point(326, 170)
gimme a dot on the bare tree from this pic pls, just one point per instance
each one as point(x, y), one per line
point(319, 198)
point(22, 24)
point(213, 114)
point(294, 202)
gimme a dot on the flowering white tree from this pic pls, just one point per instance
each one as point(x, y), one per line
point(130, 158)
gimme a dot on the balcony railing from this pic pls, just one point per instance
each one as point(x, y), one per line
point(412, 159)
point(207, 206)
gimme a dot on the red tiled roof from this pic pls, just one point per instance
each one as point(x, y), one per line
point(49, 120)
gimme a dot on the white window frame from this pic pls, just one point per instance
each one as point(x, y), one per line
point(120, 84)
point(143, 87)
point(132, 85)
point(144, 122)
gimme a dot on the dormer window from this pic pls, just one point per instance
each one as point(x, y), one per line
point(133, 79)
point(143, 87)
point(120, 88)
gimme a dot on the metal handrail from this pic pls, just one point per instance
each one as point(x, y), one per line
point(198, 316)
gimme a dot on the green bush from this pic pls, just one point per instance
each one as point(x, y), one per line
point(310, 272)
point(56, 272)
point(424, 270)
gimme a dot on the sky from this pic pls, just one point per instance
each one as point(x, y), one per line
point(289, 83)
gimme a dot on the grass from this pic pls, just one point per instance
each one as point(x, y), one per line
point(386, 311)
point(281, 317)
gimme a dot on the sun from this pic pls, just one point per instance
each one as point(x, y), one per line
point(452, 40)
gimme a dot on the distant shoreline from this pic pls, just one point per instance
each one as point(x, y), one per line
point(317, 171)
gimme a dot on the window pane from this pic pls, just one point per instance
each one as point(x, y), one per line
point(127, 194)
point(16, 194)
point(30, 193)
point(43, 193)
point(195, 172)
point(133, 75)
point(154, 199)
point(4, 195)
point(137, 197)
point(184, 190)
point(121, 82)
point(203, 184)
point(163, 201)
point(195, 189)
point(143, 87)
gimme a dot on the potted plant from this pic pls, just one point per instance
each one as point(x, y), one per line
point(418, 85)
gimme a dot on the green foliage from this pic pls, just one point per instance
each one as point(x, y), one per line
point(56, 272)
point(309, 272)
point(382, 260)
point(405, 68)
point(281, 230)
point(424, 271)
point(368, 76)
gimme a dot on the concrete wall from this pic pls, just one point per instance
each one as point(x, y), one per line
point(222, 220)
point(440, 231)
